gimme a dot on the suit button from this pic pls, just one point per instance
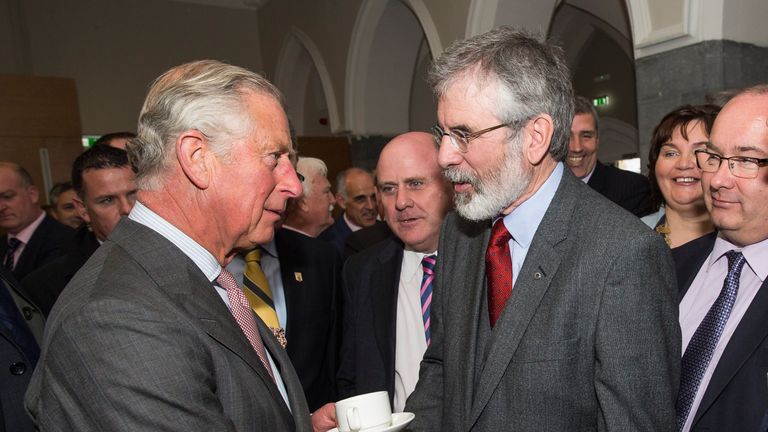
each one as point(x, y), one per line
point(18, 368)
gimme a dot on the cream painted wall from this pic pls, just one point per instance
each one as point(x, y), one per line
point(450, 18)
point(328, 24)
point(115, 49)
point(745, 21)
point(665, 13)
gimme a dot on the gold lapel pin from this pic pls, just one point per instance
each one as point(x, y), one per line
point(298, 276)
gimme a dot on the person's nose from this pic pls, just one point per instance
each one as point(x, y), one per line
point(403, 199)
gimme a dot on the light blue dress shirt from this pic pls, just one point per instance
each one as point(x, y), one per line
point(524, 220)
point(270, 264)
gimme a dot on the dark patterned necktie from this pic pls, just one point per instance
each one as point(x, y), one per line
point(428, 264)
point(8, 259)
point(702, 345)
point(498, 270)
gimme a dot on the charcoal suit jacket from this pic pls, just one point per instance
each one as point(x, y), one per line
point(588, 340)
point(140, 340)
point(371, 283)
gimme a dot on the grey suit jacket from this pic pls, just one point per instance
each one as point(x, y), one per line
point(140, 341)
point(588, 340)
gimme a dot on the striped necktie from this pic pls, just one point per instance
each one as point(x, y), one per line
point(428, 264)
point(259, 295)
point(8, 260)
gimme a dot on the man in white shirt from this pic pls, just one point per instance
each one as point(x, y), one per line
point(725, 300)
point(152, 333)
point(386, 326)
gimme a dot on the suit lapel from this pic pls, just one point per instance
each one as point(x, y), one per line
point(385, 282)
point(290, 379)
point(688, 269)
point(178, 277)
point(472, 327)
point(750, 333)
point(24, 265)
point(287, 253)
point(533, 281)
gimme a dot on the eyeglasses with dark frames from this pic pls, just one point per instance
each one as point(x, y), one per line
point(740, 166)
point(460, 139)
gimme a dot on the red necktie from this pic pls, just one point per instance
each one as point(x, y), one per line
point(498, 270)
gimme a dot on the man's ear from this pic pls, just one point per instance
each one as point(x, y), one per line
point(34, 194)
point(301, 202)
point(539, 137)
point(195, 158)
point(341, 202)
point(81, 211)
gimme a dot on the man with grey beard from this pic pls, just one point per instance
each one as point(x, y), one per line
point(553, 309)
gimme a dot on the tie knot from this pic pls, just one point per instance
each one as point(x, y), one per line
point(254, 256)
point(499, 233)
point(735, 260)
point(13, 243)
point(428, 263)
point(226, 280)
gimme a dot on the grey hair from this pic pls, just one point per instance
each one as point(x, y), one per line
point(531, 76)
point(205, 95)
point(309, 167)
point(583, 105)
point(341, 180)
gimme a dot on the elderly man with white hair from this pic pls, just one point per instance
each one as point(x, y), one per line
point(153, 334)
point(310, 213)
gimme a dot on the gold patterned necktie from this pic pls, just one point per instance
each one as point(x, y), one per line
point(259, 295)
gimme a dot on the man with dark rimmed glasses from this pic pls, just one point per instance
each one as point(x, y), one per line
point(725, 300)
point(554, 309)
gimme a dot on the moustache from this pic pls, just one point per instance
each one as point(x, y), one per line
point(456, 175)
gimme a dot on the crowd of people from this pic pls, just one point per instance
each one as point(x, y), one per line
point(490, 275)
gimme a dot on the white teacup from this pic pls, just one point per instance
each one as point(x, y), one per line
point(368, 412)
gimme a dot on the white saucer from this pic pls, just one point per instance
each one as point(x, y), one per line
point(399, 421)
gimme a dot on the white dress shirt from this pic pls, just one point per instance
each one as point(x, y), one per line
point(410, 340)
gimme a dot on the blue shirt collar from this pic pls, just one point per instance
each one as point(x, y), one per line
point(524, 220)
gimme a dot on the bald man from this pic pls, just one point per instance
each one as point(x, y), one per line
point(383, 285)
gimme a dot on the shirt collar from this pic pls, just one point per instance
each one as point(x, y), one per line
point(270, 248)
point(351, 225)
point(203, 259)
point(524, 220)
point(296, 230)
point(26, 234)
point(755, 254)
point(412, 262)
point(586, 178)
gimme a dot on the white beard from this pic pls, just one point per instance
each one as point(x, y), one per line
point(499, 188)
